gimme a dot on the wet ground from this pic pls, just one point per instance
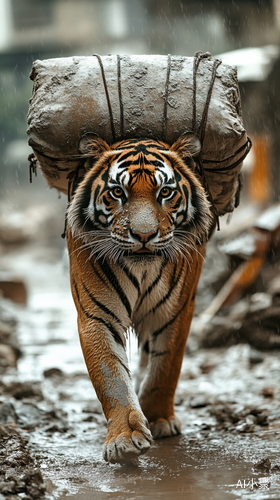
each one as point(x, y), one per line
point(228, 400)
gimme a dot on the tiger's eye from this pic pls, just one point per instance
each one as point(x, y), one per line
point(165, 192)
point(117, 192)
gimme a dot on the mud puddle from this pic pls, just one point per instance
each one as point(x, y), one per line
point(228, 406)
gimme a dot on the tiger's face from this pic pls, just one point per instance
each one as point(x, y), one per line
point(139, 199)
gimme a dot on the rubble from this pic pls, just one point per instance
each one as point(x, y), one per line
point(18, 473)
point(247, 307)
point(264, 465)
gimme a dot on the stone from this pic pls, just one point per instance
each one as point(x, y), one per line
point(264, 465)
point(7, 413)
point(7, 487)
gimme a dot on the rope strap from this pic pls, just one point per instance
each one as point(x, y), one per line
point(164, 121)
point(107, 96)
point(32, 166)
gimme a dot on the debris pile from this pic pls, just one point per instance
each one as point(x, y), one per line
point(247, 307)
point(18, 473)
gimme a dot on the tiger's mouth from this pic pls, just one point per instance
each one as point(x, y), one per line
point(141, 253)
point(144, 251)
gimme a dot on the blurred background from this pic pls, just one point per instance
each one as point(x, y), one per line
point(245, 32)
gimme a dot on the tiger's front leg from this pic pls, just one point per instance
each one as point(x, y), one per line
point(166, 350)
point(102, 321)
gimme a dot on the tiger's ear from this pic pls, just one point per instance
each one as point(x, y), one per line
point(93, 146)
point(188, 146)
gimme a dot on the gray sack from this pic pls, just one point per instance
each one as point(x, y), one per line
point(159, 97)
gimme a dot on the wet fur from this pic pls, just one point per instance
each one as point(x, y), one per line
point(115, 288)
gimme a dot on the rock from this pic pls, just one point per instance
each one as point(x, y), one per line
point(5, 332)
point(199, 402)
point(20, 390)
point(246, 426)
point(255, 357)
point(259, 328)
point(7, 356)
point(7, 430)
point(15, 290)
point(53, 372)
point(207, 366)
point(90, 418)
point(7, 487)
point(56, 427)
point(7, 413)
point(30, 416)
point(274, 286)
point(205, 427)
point(179, 399)
point(275, 468)
point(8, 337)
point(260, 301)
point(268, 392)
point(20, 486)
point(264, 465)
point(93, 407)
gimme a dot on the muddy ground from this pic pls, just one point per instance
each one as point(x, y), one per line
point(51, 424)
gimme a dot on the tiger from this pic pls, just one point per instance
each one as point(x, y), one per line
point(136, 232)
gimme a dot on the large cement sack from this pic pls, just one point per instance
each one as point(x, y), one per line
point(154, 96)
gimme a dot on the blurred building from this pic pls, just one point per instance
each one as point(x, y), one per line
point(177, 26)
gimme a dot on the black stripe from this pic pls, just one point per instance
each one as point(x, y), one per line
point(160, 330)
point(101, 306)
point(76, 290)
point(152, 285)
point(146, 347)
point(97, 272)
point(194, 199)
point(131, 142)
point(132, 278)
point(121, 363)
point(110, 275)
point(173, 283)
point(155, 354)
point(112, 330)
point(83, 200)
point(110, 327)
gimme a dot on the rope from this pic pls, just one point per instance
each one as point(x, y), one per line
point(73, 182)
point(197, 58)
point(32, 166)
point(202, 128)
point(164, 121)
point(107, 96)
point(120, 96)
point(247, 145)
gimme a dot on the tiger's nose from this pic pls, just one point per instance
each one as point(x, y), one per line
point(143, 237)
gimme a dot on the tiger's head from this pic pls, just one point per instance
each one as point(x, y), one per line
point(139, 199)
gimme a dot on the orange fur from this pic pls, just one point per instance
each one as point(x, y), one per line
point(138, 280)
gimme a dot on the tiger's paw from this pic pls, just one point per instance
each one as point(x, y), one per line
point(125, 447)
point(165, 427)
